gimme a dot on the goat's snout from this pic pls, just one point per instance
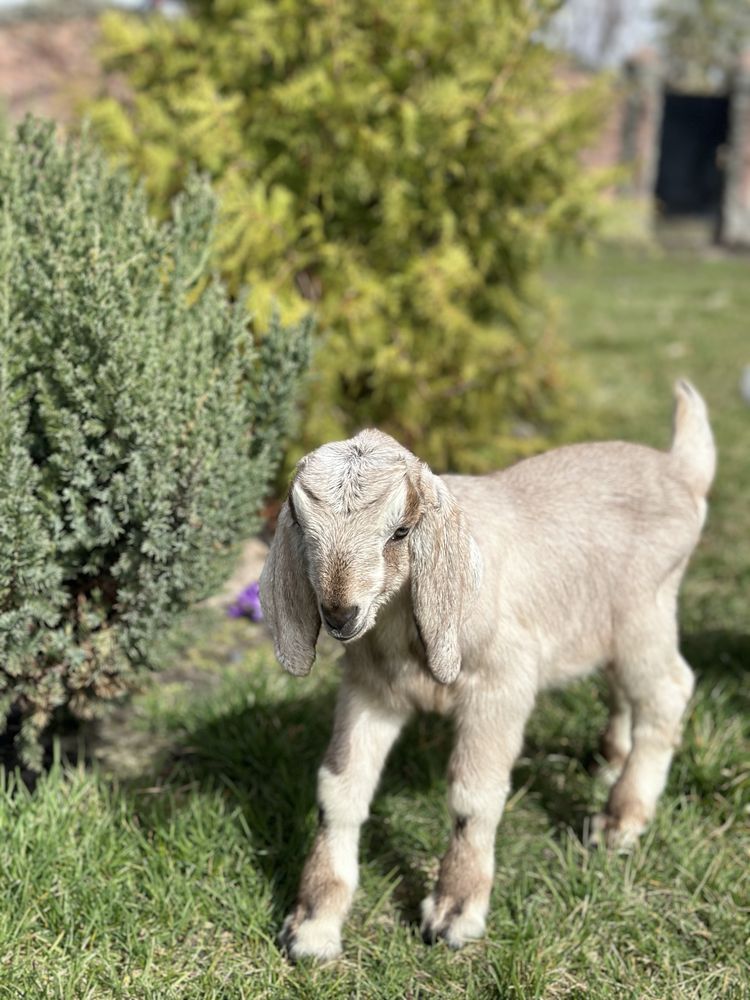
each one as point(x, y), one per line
point(338, 618)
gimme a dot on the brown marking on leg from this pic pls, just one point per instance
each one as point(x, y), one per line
point(488, 740)
point(320, 890)
point(616, 740)
point(363, 733)
point(462, 874)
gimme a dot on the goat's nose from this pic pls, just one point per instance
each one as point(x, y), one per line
point(337, 617)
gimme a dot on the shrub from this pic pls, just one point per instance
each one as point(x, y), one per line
point(140, 424)
point(411, 163)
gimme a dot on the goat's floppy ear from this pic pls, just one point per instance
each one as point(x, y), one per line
point(445, 572)
point(287, 599)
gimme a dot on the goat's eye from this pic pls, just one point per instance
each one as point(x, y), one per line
point(400, 533)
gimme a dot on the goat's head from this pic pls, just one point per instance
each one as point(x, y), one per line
point(364, 519)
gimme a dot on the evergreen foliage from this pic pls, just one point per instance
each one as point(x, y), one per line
point(139, 423)
point(411, 164)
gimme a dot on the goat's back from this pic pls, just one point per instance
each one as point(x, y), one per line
point(577, 537)
point(611, 496)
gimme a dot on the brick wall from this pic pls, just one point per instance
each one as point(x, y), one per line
point(48, 66)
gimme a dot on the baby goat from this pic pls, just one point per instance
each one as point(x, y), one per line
point(468, 595)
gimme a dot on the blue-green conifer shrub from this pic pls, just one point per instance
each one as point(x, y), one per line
point(140, 424)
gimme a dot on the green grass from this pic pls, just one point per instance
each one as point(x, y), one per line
point(172, 881)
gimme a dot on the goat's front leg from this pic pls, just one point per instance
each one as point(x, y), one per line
point(364, 731)
point(488, 741)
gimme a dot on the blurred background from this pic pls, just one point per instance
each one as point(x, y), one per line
point(635, 133)
point(676, 123)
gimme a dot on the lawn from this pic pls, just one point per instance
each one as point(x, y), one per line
point(165, 870)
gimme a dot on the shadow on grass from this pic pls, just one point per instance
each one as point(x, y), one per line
point(723, 658)
point(263, 757)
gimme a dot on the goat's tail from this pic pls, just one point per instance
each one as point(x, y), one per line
point(693, 448)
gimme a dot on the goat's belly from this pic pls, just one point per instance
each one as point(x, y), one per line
point(573, 656)
point(561, 671)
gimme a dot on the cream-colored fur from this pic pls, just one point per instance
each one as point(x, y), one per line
point(502, 586)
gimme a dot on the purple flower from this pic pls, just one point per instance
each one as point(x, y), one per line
point(247, 604)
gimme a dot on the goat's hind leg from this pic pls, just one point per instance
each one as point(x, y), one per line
point(616, 741)
point(657, 683)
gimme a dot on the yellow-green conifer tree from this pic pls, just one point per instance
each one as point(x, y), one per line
point(403, 166)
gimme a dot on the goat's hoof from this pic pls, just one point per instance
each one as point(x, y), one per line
point(615, 834)
point(302, 937)
point(452, 920)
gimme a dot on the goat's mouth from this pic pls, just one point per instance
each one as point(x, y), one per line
point(344, 635)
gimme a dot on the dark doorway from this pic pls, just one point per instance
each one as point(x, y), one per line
point(690, 178)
